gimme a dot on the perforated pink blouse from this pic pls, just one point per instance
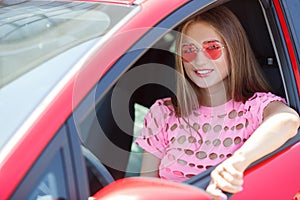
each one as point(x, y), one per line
point(187, 147)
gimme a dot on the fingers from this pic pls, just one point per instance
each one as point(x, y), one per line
point(232, 171)
point(227, 178)
point(232, 179)
point(215, 192)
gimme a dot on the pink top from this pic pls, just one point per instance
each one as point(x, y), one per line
point(187, 147)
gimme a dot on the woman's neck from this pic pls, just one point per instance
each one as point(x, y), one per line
point(215, 95)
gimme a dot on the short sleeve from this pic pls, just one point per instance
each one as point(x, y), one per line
point(153, 138)
point(258, 102)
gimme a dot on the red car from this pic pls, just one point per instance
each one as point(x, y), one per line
point(78, 76)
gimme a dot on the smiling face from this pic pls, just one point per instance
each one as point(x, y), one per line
point(204, 56)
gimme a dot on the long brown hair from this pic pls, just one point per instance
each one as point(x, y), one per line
point(245, 77)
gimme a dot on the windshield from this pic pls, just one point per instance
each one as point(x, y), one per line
point(40, 41)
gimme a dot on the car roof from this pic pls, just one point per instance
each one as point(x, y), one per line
point(127, 2)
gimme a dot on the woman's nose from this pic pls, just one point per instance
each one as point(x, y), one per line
point(201, 59)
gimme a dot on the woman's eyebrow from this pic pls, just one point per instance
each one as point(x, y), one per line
point(211, 41)
point(187, 43)
point(204, 42)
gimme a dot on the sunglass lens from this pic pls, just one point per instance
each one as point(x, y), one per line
point(213, 50)
point(188, 53)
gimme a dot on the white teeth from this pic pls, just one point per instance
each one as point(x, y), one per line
point(202, 72)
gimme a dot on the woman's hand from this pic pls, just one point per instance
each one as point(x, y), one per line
point(228, 177)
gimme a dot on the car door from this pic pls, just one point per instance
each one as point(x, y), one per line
point(58, 173)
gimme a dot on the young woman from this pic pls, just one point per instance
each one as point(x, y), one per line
point(223, 112)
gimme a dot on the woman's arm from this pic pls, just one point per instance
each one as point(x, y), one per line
point(280, 123)
point(150, 164)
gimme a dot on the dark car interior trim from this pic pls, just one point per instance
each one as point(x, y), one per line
point(54, 171)
point(292, 14)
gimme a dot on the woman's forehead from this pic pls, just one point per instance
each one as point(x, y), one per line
point(199, 32)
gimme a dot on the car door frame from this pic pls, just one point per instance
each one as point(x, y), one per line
point(140, 47)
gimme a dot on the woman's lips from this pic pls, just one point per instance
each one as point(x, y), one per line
point(203, 72)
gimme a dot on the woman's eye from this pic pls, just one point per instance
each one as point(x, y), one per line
point(185, 50)
point(213, 47)
point(188, 49)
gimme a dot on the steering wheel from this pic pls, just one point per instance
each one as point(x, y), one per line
point(96, 168)
point(202, 180)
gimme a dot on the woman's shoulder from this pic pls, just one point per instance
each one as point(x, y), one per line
point(262, 97)
point(259, 101)
point(160, 111)
point(164, 102)
point(164, 105)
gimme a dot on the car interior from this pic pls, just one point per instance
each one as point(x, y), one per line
point(251, 16)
